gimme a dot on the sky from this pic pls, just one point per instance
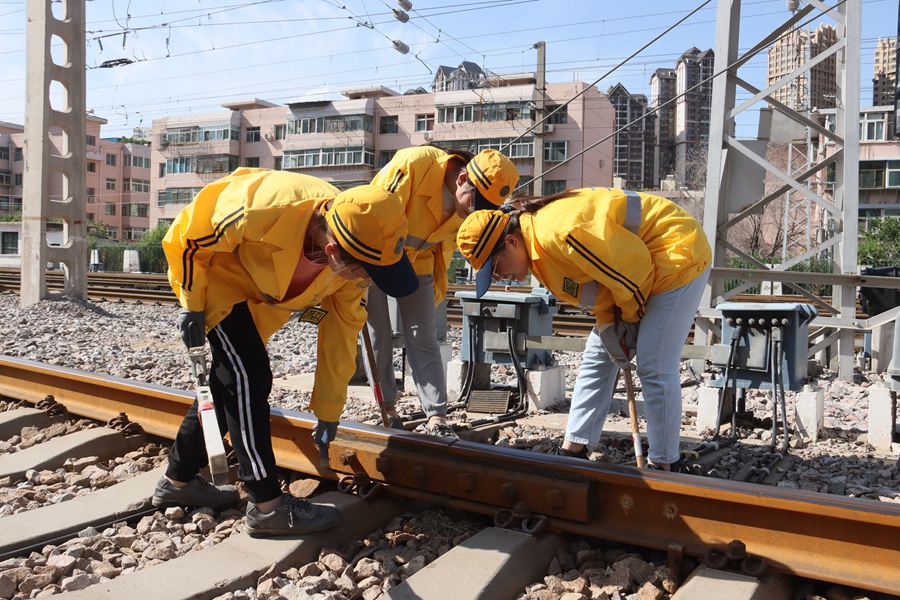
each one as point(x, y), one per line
point(190, 56)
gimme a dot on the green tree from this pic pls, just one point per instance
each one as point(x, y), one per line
point(879, 245)
point(154, 237)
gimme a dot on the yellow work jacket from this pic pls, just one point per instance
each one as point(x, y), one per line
point(240, 241)
point(606, 247)
point(416, 175)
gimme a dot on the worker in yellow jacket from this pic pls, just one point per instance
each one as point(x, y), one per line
point(638, 262)
point(252, 250)
point(438, 188)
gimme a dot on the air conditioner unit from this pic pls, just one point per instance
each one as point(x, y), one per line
point(269, 137)
point(548, 128)
point(429, 136)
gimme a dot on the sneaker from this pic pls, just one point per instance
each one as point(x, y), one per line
point(394, 422)
point(441, 429)
point(198, 492)
point(582, 454)
point(295, 516)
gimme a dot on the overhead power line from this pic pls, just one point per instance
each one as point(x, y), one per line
point(735, 65)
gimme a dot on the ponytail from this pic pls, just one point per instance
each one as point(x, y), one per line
point(531, 204)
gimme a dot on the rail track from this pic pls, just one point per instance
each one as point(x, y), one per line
point(842, 540)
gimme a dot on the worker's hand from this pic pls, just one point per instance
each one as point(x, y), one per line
point(620, 341)
point(323, 435)
point(192, 326)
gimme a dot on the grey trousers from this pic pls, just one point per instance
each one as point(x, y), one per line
point(420, 339)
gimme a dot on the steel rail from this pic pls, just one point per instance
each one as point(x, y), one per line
point(849, 541)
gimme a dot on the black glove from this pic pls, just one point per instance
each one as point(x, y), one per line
point(620, 341)
point(323, 435)
point(192, 326)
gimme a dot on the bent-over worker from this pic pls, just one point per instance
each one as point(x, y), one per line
point(251, 250)
point(438, 188)
point(638, 262)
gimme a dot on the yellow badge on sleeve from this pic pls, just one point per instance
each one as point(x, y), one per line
point(570, 287)
point(312, 315)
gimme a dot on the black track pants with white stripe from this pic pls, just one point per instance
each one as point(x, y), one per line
point(240, 381)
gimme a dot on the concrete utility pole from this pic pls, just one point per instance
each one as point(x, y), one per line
point(42, 162)
point(541, 88)
point(734, 183)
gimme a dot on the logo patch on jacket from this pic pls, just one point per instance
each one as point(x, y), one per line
point(312, 315)
point(570, 287)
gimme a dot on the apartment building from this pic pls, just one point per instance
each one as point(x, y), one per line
point(662, 89)
point(884, 72)
point(879, 164)
point(117, 179)
point(815, 89)
point(347, 141)
point(692, 110)
point(634, 146)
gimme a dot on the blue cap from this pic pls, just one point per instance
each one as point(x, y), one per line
point(397, 280)
point(483, 277)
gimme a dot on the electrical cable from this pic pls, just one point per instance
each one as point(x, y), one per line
point(733, 66)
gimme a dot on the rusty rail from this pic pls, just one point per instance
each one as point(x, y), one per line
point(849, 541)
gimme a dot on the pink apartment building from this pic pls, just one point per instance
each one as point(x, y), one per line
point(118, 181)
point(347, 141)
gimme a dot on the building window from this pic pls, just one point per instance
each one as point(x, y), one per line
point(277, 163)
point(212, 163)
point(893, 174)
point(526, 185)
point(111, 160)
point(425, 122)
point(176, 195)
point(337, 124)
point(4, 153)
point(91, 195)
point(5, 177)
point(326, 157)
point(135, 210)
point(561, 117)
point(17, 179)
point(162, 169)
point(454, 114)
point(91, 140)
point(251, 161)
point(18, 154)
point(110, 184)
point(136, 161)
point(389, 124)
point(871, 127)
point(9, 242)
point(252, 134)
point(554, 186)
point(91, 217)
point(555, 151)
point(135, 185)
point(508, 111)
point(385, 156)
point(109, 209)
point(193, 135)
point(871, 179)
point(92, 166)
point(280, 130)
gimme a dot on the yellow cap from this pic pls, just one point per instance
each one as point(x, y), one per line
point(478, 235)
point(493, 175)
point(370, 224)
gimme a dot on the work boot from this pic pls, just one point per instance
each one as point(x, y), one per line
point(582, 454)
point(440, 428)
point(198, 492)
point(294, 516)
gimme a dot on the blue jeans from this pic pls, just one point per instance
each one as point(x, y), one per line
point(664, 329)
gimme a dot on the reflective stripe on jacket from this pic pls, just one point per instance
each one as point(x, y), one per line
point(604, 247)
point(240, 240)
point(416, 175)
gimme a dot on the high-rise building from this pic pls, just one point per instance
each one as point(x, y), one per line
point(814, 89)
point(633, 161)
point(117, 178)
point(662, 90)
point(884, 73)
point(347, 141)
point(692, 109)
